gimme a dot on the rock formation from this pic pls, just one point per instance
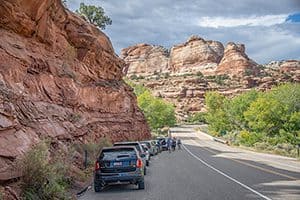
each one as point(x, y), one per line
point(194, 56)
point(198, 66)
point(153, 58)
point(59, 79)
point(235, 61)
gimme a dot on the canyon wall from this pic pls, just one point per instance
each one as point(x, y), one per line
point(59, 79)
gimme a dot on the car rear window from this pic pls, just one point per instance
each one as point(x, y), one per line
point(137, 145)
point(108, 154)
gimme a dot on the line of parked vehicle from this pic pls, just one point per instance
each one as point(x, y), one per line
point(126, 162)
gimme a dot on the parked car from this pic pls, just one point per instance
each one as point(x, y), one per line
point(139, 148)
point(163, 143)
point(145, 148)
point(120, 164)
point(155, 146)
point(150, 146)
point(158, 146)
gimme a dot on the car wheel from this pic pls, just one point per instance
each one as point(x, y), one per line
point(97, 187)
point(147, 163)
point(145, 170)
point(141, 185)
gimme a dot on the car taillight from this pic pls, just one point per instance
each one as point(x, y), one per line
point(139, 163)
point(97, 165)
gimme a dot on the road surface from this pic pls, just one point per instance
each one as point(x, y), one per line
point(205, 169)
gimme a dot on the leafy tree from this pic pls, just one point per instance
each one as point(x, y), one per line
point(94, 15)
point(216, 115)
point(288, 95)
point(265, 115)
point(236, 107)
point(157, 112)
point(266, 120)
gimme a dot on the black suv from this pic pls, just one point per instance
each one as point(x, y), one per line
point(120, 164)
point(139, 148)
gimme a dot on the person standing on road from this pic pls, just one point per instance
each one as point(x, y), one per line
point(179, 143)
point(174, 144)
point(169, 144)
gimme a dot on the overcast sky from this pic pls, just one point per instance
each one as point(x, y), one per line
point(270, 29)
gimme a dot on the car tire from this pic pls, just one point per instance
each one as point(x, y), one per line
point(141, 185)
point(97, 187)
point(147, 163)
point(145, 170)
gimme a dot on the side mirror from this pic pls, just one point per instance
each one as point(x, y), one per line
point(143, 155)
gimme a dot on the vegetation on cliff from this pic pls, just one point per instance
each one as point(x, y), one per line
point(158, 112)
point(94, 15)
point(42, 178)
point(49, 174)
point(264, 120)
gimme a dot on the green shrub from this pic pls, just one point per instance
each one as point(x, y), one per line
point(249, 139)
point(248, 72)
point(167, 75)
point(133, 77)
point(231, 137)
point(199, 117)
point(220, 79)
point(92, 149)
point(199, 74)
point(42, 179)
point(285, 146)
point(261, 145)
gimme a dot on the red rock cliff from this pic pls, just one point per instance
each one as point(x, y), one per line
point(59, 79)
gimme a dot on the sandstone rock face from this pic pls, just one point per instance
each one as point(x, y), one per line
point(195, 55)
point(235, 61)
point(229, 71)
point(153, 59)
point(59, 79)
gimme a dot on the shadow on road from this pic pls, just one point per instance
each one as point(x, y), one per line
point(119, 188)
point(274, 182)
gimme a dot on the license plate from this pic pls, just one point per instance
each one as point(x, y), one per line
point(117, 163)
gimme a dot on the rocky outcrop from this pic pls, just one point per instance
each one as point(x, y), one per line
point(59, 79)
point(229, 71)
point(195, 55)
point(235, 61)
point(145, 60)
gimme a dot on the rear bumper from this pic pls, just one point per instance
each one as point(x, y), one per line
point(131, 177)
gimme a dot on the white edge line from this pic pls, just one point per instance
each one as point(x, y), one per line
point(227, 176)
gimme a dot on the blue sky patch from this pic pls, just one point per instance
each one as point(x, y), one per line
point(293, 18)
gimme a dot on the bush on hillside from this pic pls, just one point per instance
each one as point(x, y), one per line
point(43, 179)
point(199, 117)
point(92, 149)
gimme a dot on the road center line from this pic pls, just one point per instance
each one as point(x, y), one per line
point(227, 176)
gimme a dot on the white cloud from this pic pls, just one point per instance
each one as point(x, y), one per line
point(266, 20)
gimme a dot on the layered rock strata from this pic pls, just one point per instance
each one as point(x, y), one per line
point(61, 80)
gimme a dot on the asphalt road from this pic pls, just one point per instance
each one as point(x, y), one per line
point(204, 169)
